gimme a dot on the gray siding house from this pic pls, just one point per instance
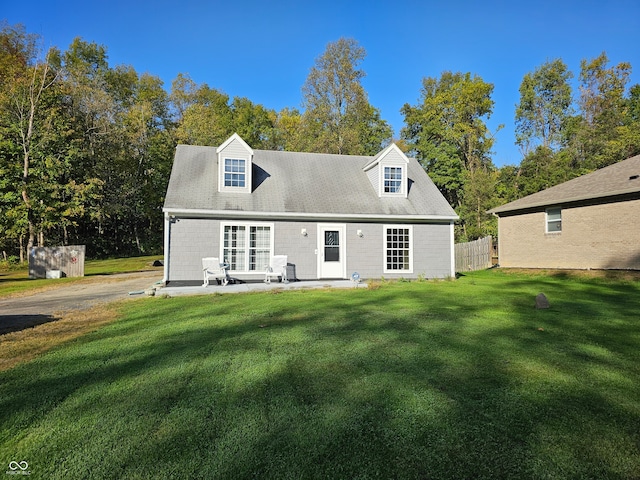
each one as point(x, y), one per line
point(332, 215)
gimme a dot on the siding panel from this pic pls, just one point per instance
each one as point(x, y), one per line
point(192, 239)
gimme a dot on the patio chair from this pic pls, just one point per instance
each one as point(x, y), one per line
point(213, 269)
point(277, 268)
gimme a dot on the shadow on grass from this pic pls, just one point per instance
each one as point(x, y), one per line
point(17, 323)
point(413, 381)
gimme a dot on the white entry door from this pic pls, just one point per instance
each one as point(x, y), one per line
point(332, 259)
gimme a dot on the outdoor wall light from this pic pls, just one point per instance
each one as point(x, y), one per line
point(360, 234)
point(303, 232)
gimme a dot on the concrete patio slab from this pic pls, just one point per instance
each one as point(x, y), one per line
point(255, 287)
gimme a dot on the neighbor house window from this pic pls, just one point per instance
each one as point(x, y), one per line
point(392, 179)
point(235, 174)
point(247, 248)
point(554, 220)
point(398, 249)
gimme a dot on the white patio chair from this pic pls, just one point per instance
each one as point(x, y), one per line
point(213, 269)
point(277, 268)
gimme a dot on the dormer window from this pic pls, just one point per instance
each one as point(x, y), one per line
point(234, 166)
point(387, 172)
point(235, 172)
point(392, 179)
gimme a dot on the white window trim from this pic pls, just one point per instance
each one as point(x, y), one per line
point(403, 180)
point(384, 249)
point(248, 178)
point(224, 173)
point(247, 226)
point(546, 218)
point(399, 193)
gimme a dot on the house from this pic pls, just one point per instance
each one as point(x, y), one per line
point(332, 215)
point(588, 222)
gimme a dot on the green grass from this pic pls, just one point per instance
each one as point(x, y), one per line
point(15, 280)
point(442, 380)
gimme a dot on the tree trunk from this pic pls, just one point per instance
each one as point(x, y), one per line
point(22, 255)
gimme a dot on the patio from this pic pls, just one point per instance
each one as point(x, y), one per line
point(174, 291)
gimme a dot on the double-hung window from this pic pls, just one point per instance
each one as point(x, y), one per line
point(392, 180)
point(235, 172)
point(246, 247)
point(554, 220)
point(398, 249)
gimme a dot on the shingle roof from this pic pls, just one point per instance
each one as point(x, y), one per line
point(618, 179)
point(292, 183)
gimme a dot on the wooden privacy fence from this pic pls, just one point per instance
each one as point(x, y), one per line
point(474, 255)
point(51, 262)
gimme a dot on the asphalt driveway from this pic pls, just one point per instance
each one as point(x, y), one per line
point(21, 312)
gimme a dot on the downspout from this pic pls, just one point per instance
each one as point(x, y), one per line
point(167, 243)
point(453, 249)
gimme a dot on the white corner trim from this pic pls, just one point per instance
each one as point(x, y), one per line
point(453, 250)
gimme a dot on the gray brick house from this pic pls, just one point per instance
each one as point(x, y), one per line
point(589, 222)
point(332, 215)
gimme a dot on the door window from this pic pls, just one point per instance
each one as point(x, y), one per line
point(331, 246)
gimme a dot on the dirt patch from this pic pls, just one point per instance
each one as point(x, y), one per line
point(618, 275)
point(33, 323)
point(27, 343)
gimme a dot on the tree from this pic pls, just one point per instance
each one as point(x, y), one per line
point(207, 117)
point(338, 117)
point(254, 123)
point(25, 121)
point(633, 110)
point(446, 130)
point(600, 136)
point(545, 104)
point(288, 133)
point(478, 196)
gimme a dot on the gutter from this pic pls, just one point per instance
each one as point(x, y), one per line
point(561, 201)
point(234, 214)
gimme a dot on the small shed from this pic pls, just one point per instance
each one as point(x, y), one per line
point(57, 262)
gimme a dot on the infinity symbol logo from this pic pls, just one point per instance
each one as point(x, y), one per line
point(18, 465)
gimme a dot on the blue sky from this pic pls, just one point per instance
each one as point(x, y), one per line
point(263, 50)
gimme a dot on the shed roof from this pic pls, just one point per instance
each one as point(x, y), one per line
point(294, 184)
point(618, 179)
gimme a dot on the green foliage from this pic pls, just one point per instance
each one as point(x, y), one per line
point(545, 103)
point(338, 117)
point(559, 145)
point(448, 134)
point(478, 196)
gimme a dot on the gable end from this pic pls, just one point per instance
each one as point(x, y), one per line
point(235, 160)
point(389, 172)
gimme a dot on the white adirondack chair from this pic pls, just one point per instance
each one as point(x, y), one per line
point(213, 269)
point(277, 268)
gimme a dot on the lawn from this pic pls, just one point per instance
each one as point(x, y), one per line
point(443, 380)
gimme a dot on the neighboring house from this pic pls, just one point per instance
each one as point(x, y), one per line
point(589, 222)
point(332, 215)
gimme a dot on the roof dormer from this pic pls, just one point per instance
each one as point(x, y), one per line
point(234, 165)
point(388, 172)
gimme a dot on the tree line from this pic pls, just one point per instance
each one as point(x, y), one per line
point(86, 148)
